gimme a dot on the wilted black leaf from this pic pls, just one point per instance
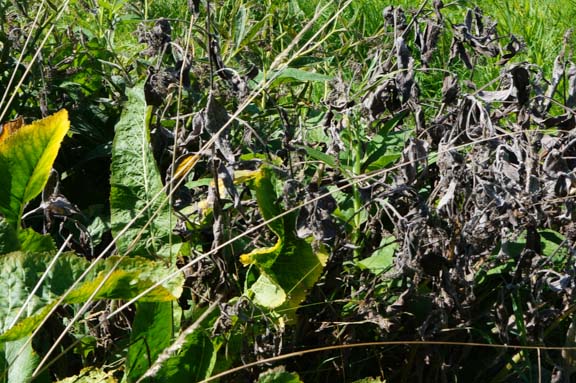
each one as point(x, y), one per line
point(450, 89)
point(215, 118)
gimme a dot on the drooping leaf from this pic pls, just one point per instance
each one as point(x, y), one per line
point(119, 284)
point(290, 268)
point(136, 185)
point(26, 158)
point(125, 279)
point(26, 326)
point(266, 197)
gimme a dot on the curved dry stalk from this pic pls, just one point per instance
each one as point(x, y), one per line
point(381, 344)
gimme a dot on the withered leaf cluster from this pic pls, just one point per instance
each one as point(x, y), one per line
point(485, 179)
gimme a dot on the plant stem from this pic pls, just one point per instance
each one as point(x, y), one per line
point(357, 170)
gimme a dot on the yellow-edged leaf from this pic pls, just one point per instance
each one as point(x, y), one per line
point(186, 165)
point(26, 158)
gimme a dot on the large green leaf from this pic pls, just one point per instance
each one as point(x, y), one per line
point(197, 358)
point(293, 75)
point(151, 333)
point(289, 268)
point(8, 237)
point(20, 360)
point(382, 259)
point(26, 158)
point(34, 242)
point(135, 183)
point(124, 279)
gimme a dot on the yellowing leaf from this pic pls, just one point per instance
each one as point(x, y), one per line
point(264, 256)
point(26, 158)
point(290, 268)
point(186, 165)
point(112, 278)
point(10, 128)
point(241, 176)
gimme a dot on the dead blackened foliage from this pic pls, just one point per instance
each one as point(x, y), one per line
point(62, 217)
point(238, 84)
point(316, 218)
point(396, 92)
point(483, 189)
point(479, 184)
point(479, 34)
point(157, 38)
point(395, 18)
point(159, 84)
point(171, 69)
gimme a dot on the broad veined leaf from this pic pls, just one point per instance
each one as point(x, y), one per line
point(135, 183)
point(289, 268)
point(292, 75)
point(123, 278)
point(25, 240)
point(152, 332)
point(34, 242)
point(268, 292)
point(8, 237)
point(26, 158)
point(383, 258)
point(20, 360)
